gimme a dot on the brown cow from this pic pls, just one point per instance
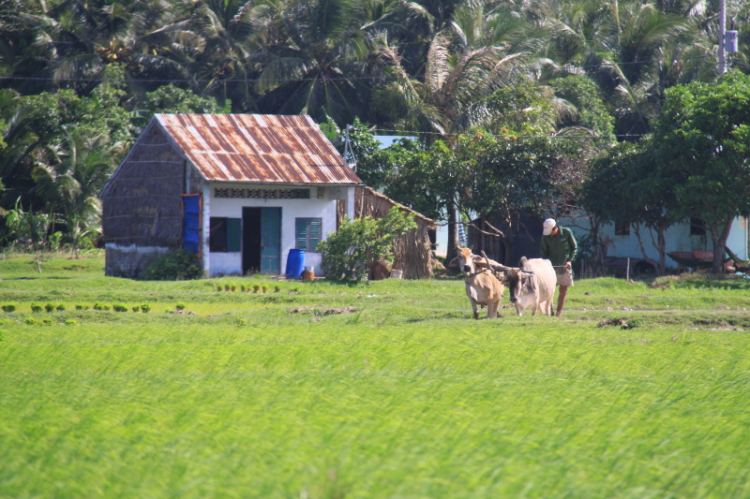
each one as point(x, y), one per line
point(482, 287)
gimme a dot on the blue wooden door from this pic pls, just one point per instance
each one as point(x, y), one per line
point(270, 235)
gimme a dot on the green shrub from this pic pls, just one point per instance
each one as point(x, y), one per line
point(276, 289)
point(119, 307)
point(346, 252)
point(180, 306)
point(35, 307)
point(31, 321)
point(145, 308)
point(256, 288)
point(47, 321)
point(176, 265)
point(136, 308)
point(633, 323)
point(9, 307)
point(98, 306)
point(49, 307)
point(219, 288)
point(60, 307)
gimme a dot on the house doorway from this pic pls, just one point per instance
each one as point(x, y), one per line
point(261, 240)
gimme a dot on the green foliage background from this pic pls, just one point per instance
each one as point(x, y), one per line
point(550, 80)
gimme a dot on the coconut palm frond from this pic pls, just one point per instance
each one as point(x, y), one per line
point(575, 131)
point(437, 66)
point(565, 110)
point(281, 71)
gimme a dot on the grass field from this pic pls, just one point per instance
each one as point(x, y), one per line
point(380, 390)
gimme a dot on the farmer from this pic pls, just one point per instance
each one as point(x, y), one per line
point(559, 246)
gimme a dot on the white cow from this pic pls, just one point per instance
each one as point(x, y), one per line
point(532, 284)
point(482, 287)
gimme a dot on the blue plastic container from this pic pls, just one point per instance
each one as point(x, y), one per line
point(295, 262)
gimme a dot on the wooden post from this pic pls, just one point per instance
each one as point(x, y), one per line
point(627, 272)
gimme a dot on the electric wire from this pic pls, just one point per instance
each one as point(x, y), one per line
point(76, 79)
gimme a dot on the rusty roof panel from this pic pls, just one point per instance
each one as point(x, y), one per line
point(257, 148)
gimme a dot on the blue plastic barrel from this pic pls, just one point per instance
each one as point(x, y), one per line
point(295, 262)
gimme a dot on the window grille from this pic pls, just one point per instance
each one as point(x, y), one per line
point(239, 192)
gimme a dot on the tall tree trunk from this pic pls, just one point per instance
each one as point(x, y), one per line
point(662, 242)
point(637, 230)
point(596, 266)
point(453, 243)
point(719, 236)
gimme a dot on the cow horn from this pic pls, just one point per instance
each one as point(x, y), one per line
point(486, 259)
point(489, 265)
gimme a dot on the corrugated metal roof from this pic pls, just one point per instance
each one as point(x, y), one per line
point(257, 148)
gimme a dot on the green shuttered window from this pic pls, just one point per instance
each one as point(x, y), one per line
point(308, 233)
point(234, 234)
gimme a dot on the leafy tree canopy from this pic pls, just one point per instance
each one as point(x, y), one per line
point(584, 107)
point(702, 146)
point(172, 99)
point(702, 142)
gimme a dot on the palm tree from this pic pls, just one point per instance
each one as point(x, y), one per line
point(318, 64)
point(633, 51)
point(74, 41)
point(480, 51)
point(78, 39)
point(409, 24)
point(19, 58)
point(229, 34)
point(71, 185)
point(31, 122)
point(571, 30)
point(637, 40)
point(157, 47)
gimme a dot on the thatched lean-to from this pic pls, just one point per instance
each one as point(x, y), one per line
point(142, 215)
point(413, 250)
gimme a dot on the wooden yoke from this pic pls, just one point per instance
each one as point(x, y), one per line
point(494, 267)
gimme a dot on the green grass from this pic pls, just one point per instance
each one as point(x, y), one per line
point(406, 396)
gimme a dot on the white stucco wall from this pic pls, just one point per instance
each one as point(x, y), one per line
point(291, 209)
point(678, 239)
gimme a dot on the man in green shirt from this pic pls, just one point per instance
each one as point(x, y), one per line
point(560, 247)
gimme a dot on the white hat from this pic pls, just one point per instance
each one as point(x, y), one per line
point(549, 224)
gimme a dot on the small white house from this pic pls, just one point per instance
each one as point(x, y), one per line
point(683, 237)
point(241, 191)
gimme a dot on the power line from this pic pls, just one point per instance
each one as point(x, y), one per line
point(291, 80)
point(407, 133)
